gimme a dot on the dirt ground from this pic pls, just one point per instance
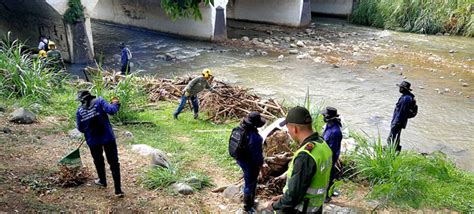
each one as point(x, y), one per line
point(28, 167)
point(28, 158)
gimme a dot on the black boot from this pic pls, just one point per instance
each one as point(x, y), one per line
point(117, 181)
point(248, 203)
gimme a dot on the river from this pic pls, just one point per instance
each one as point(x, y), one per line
point(357, 75)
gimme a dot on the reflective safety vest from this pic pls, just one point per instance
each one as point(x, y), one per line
point(316, 193)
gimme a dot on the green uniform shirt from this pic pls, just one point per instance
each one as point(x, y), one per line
point(197, 85)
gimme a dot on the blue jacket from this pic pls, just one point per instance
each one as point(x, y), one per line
point(254, 150)
point(124, 59)
point(400, 115)
point(94, 122)
point(333, 137)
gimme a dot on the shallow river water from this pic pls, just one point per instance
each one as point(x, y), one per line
point(364, 94)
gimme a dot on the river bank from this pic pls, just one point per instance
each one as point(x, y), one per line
point(350, 67)
point(32, 187)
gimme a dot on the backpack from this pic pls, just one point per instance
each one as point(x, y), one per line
point(413, 109)
point(238, 143)
point(129, 54)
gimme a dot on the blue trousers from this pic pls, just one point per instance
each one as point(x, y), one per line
point(250, 178)
point(125, 68)
point(182, 104)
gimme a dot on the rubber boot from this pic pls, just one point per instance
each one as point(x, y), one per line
point(248, 203)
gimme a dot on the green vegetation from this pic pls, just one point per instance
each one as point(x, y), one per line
point(184, 8)
point(75, 12)
point(22, 75)
point(401, 180)
point(419, 16)
point(409, 179)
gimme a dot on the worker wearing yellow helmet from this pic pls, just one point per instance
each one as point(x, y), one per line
point(55, 59)
point(195, 86)
point(42, 54)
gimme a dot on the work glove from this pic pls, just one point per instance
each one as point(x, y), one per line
point(187, 94)
point(115, 100)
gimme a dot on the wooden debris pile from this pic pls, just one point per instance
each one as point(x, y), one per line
point(234, 102)
point(109, 77)
point(278, 154)
point(229, 103)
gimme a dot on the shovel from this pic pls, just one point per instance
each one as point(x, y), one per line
point(73, 159)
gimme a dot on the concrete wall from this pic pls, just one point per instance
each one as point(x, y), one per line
point(283, 12)
point(332, 7)
point(148, 14)
point(27, 20)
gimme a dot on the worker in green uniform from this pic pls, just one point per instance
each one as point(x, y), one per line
point(309, 170)
point(55, 60)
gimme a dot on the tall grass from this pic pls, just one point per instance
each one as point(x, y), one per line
point(419, 16)
point(22, 75)
point(127, 90)
point(315, 110)
point(408, 179)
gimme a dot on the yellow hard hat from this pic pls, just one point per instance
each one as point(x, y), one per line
point(206, 73)
point(51, 43)
point(42, 53)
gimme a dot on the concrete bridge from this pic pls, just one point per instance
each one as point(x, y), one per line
point(28, 19)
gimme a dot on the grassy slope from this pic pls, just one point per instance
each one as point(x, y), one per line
point(418, 16)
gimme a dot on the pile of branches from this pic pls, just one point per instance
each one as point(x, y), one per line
point(109, 77)
point(230, 102)
point(278, 155)
point(72, 176)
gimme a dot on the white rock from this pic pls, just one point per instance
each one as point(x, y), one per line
point(300, 44)
point(267, 41)
point(160, 158)
point(280, 58)
point(22, 116)
point(128, 135)
point(231, 191)
point(143, 149)
point(465, 84)
point(74, 134)
point(183, 189)
point(293, 51)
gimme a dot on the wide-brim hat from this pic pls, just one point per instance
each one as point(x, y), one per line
point(330, 113)
point(83, 95)
point(255, 119)
point(404, 84)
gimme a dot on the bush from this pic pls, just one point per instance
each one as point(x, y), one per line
point(159, 178)
point(75, 12)
point(408, 179)
point(22, 75)
point(419, 16)
point(127, 90)
point(184, 8)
